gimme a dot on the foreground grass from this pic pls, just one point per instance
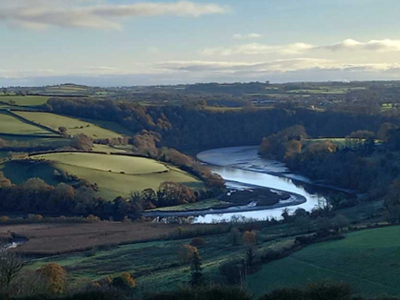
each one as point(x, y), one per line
point(74, 126)
point(369, 260)
point(153, 263)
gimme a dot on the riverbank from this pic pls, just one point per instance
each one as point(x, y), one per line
point(240, 198)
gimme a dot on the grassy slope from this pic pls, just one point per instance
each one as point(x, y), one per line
point(25, 100)
point(11, 125)
point(369, 260)
point(114, 184)
point(111, 184)
point(109, 149)
point(201, 205)
point(153, 263)
point(100, 162)
point(24, 141)
point(72, 124)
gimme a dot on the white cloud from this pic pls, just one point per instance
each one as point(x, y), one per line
point(276, 66)
point(385, 45)
point(380, 46)
point(239, 36)
point(39, 14)
point(257, 49)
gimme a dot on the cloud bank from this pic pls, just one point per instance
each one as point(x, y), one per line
point(173, 72)
point(36, 14)
point(239, 36)
point(380, 46)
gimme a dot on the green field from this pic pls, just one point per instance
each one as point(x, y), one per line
point(326, 90)
point(369, 260)
point(107, 163)
point(153, 263)
point(205, 204)
point(22, 142)
point(109, 149)
point(3, 154)
point(115, 175)
point(11, 125)
point(24, 100)
point(74, 126)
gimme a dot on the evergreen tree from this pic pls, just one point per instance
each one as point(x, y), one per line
point(196, 275)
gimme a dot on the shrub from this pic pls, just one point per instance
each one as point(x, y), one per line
point(203, 293)
point(234, 272)
point(4, 219)
point(54, 276)
point(124, 282)
point(186, 253)
point(285, 294)
point(198, 242)
point(234, 237)
point(249, 238)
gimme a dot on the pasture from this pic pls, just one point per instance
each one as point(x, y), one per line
point(24, 142)
point(11, 125)
point(24, 100)
point(57, 238)
point(156, 263)
point(130, 165)
point(329, 90)
point(115, 175)
point(74, 126)
point(368, 260)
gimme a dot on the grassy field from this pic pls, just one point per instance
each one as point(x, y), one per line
point(51, 239)
point(327, 90)
point(73, 125)
point(369, 260)
point(206, 204)
point(140, 173)
point(107, 163)
point(11, 125)
point(29, 142)
point(3, 154)
point(109, 149)
point(24, 100)
point(339, 141)
point(155, 263)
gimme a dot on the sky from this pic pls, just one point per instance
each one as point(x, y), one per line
point(129, 42)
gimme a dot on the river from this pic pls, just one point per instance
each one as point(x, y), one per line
point(244, 165)
point(242, 168)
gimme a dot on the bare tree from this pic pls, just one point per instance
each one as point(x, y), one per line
point(10, 265)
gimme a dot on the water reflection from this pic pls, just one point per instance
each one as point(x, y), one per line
point(243, 165)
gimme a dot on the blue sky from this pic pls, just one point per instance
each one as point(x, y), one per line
point(127, 42)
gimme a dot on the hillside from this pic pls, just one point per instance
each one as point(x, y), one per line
point(368, 260)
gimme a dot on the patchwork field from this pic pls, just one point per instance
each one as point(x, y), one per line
point(31, 142)
point(107, 163)
point(12, 125)
point(115, 175)
point(24, 100)
point(154, 263)
point(369, 260)
point(75, 126)
point(56, 238)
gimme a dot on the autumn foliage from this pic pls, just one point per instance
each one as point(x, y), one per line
point(55, 277)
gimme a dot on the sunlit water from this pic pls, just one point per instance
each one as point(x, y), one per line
point(243, 165)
